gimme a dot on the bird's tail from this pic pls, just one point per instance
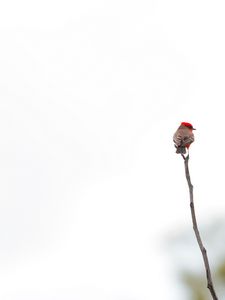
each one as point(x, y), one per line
point(181, 150)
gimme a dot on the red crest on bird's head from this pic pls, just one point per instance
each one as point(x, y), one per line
point(189, 125)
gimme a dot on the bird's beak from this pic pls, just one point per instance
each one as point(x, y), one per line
point(193, 128)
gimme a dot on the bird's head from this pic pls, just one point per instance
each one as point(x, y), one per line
point(188, 125)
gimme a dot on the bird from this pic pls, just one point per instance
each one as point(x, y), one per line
point(183, 137)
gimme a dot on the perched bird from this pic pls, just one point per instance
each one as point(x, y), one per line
point(183, 137)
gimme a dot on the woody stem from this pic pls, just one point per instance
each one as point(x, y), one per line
point(197, 234)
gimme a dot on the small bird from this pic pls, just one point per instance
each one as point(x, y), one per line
point(183, 137)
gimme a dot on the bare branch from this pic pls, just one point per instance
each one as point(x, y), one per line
point(197, 234)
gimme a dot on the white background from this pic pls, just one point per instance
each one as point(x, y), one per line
point(91, 94)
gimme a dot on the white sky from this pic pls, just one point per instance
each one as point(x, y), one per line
point(91, 94)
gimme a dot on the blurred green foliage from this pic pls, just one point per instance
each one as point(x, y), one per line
point(191, 268)
point(197, 284)
point(220, 273)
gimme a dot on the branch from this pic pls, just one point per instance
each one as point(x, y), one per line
point(197, 234)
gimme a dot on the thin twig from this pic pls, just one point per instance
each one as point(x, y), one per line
point(197, 234)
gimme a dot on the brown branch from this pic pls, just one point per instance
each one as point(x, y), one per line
point(197, 234)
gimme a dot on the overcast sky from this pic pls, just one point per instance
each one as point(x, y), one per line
point(91, 94)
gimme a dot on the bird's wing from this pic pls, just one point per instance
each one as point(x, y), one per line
point(183, 137)
point(187, 140)
point(177, 138)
